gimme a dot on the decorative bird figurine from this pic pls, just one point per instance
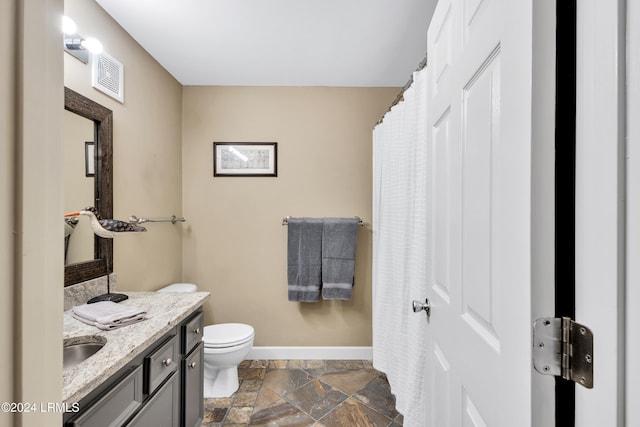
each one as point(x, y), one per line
point(106, 228)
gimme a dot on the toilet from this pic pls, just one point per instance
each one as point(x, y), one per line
point(225, 346)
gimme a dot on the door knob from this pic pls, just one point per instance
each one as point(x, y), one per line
point(420, 306)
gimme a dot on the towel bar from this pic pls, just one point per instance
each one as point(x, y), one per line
point(285, 221)
point(135, 220)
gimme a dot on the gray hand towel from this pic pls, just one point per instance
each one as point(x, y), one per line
point(338, 257)
point(304, 259)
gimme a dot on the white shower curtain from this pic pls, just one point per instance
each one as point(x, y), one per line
point(400, 249)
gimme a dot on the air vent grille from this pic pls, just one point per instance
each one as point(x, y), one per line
point(107, 76)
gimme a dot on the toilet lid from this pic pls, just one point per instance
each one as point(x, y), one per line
point(179, 287)
point(226, 334)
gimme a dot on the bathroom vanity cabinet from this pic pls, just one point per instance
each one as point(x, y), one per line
point(161, 386)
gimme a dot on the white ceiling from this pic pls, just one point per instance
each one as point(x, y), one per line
point(280, 42)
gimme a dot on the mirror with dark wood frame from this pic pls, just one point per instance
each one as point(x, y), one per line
point(102, 117)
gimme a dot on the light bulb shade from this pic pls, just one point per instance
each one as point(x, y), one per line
point(68, 26)
point(77, 46)
point(92, 45)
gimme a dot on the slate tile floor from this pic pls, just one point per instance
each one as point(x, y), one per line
point(301, 393)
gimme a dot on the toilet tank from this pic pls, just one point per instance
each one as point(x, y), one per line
point(179, 287)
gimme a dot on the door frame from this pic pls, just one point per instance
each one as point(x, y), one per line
point(600, 205)
point(632, 294)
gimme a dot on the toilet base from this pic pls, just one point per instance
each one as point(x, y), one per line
point(221, 383)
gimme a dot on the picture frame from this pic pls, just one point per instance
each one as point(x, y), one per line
point(89, 159)
point(248, 159)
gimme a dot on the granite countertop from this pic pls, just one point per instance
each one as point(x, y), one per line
point(165, 310)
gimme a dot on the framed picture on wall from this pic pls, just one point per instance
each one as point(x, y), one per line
point(245, 159)
point(89, 159)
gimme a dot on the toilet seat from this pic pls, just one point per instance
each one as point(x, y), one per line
point(226, 335)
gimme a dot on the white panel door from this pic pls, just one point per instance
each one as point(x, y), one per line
point(480, 267)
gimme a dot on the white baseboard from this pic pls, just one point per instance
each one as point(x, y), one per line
point(311, 353)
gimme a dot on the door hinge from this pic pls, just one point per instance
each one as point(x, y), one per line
point(562, 347)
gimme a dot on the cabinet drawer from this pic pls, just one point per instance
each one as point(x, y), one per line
point(192, 333)
point(116, 405)
point(161, 363)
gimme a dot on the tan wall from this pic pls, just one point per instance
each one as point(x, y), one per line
point(7, 185)
point(147, 154)
point(234, 243)
point(36, 165)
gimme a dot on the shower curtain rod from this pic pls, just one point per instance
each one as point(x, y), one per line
point(407, 85)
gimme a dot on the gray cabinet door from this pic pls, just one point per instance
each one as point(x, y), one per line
point(116, 405)
point(193, 374)
point(163, 409)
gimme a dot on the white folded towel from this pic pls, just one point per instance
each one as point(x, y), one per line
point(109, 326)
point(108, 314)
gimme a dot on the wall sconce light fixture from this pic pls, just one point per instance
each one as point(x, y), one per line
point(77, 46)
